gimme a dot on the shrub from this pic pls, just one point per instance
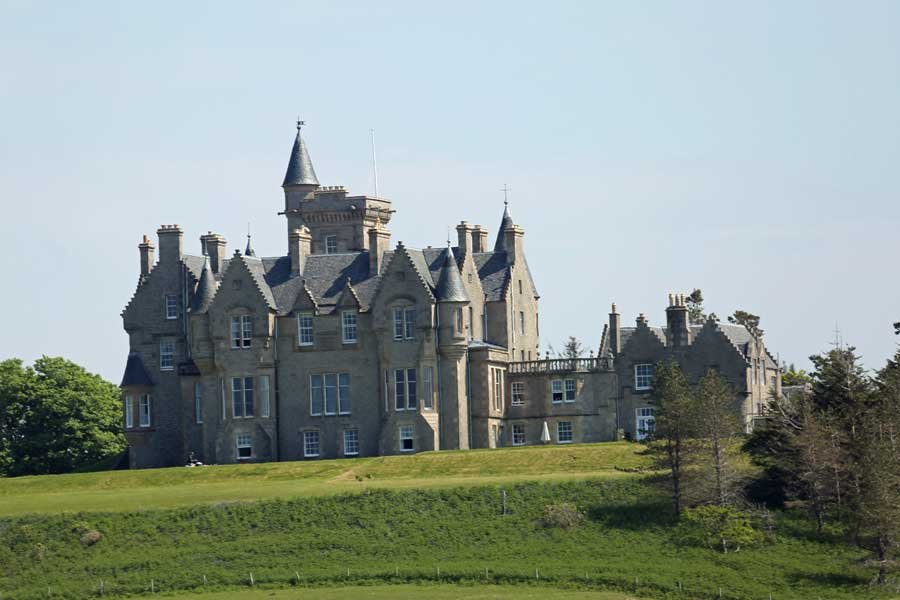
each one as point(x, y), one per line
point(718, 528)
point(563, 515)
point(89, 538)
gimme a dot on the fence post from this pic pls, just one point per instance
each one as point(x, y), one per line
point(297, 575)
point(152, 587)
point(251, 579)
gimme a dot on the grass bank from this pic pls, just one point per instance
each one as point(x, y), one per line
point(400, 592)
point(441, 536)
point(167, 488)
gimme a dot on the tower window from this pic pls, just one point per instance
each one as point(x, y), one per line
point(331, 244)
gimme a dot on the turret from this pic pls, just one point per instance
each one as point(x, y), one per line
point(452, 300)
point(206, 289)
point(300, 181)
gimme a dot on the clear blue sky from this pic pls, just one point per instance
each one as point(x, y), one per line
point(749, 149)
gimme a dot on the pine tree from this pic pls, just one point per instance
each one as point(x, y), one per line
point(717, 428)
point(673, 423)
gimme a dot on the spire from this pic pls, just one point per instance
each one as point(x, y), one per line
point(300, 169)
point(249, 250)
point(206, 289)
point(450, 285)
point(505, 223)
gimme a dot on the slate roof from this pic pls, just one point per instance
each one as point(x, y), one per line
point(449, 284)
point(300, 168)
point(135, 373)
point(206, 289)
point(506, 221)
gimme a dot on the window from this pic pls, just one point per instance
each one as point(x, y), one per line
point(522, 321)
point(387, 391)
point(264, 404)
point(556, 391)
point(329, 394)
point(348, 326)
point(518, 393)
point(166, 354)
point(244, 443)
point(518, 434)
point(570, 390)
point(459, 320)
point(471, 324)
point(129, 414)
point(645, 422)
point(643, 376)
point(427, 388)
point(564, 432)
point(310, 444)
point(144, 410)
point(407, 438)
point(520, 286)
point(242, 397)
point(198, 402)
point(171, 306)
point(404, 323)
point(537, 325)
point(305, 329)
point(405, 393)
point(351, 442)
point(241, 331)
point(497, 380)
point(331, 244)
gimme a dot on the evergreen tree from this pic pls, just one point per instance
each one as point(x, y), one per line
point(748, 320)
point(717, 427)
point(673, 425)
point(694, 302)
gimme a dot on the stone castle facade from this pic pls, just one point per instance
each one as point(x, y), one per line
point(346, 346)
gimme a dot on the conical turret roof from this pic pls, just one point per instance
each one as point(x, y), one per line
point(505, 223)
point(450, 285)
point(249, 251)
point(206, 289)
point(300, 168)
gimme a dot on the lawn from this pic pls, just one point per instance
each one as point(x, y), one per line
point(180, 486)
point(389, 592)
point(627, 542)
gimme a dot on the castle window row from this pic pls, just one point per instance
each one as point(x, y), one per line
point(329, 394)
point(241, 331)
point(312, 447)
point(143, 408)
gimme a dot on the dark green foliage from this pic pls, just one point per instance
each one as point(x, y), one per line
point(721, 528)
point(790, 375)
point(694, 302)
point(674, 421)
point(393, 537)
point(56, 417)
point(748, 320)
point(716, 428)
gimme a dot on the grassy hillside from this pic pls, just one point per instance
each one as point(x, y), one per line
point(405, 536)
point(162, 488)
point(400, 592)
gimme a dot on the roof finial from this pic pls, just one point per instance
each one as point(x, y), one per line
point(300, 123)
point(249, 251)
point(506, 192)
point(448, 236)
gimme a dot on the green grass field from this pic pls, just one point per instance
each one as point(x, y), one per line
point(165, 488)
point(434, 592)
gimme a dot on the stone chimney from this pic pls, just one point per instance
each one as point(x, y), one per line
point(513, 235)
point(299, 247)
point(169, 243)
point(464, 237)
point(679, 334)
point(479, 239)
point(214, 245)
point(615, 332)
point(379, 242)
point(148, 256)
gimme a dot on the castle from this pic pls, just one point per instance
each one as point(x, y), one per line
point(346, 346)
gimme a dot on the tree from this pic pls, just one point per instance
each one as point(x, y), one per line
point(673, 421)
point(717, 428)
point(56, 417)
point(572, 348)
point(694, 302)
point(790, 375)
point(748, 320)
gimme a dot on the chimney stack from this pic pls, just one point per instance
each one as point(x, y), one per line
point(677, 321)
point(513, 235)
point(148, 256)
point(615, 332)
point(379, 240)
point(214, 245)
point(299, 246)
point(479, 239)
point(464, 237)
point(169, 243)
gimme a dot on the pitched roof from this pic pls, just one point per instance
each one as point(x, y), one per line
point(493, 272)
point(135, 373)
point(738, 335)
point(450, 286)
point(300, 168)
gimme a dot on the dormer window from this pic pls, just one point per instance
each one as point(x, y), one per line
point(241, 331)
point(331, 244)
point(348, 326)
point(305, 329)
